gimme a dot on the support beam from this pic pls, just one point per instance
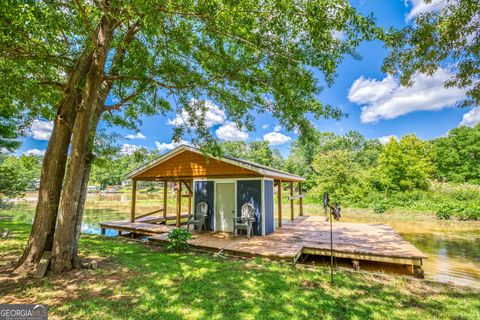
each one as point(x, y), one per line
point(279, 196)
point(134, 200)
point(190, 193)
point(165, 189)
point(179, 202)
point(187, 185)
point(292, 214)
point(300, 200)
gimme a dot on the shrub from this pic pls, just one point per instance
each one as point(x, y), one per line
point(445, 212)
point(461, 211)
point(177, 240)
point(380, 206)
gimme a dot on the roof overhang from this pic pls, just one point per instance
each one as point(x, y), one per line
point(257, 168)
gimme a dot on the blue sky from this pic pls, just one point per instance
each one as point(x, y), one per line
point(375, 104)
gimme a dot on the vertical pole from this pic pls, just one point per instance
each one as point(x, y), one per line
point(134, 199)
point(190, 199)
point(331, 248)
point(165, 195)
point(179, 202)
point(300, 200)
point(279, 195)
point(292, 215)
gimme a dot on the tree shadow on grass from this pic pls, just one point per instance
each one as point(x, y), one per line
point(141, 283)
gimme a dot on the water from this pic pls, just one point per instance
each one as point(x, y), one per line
point(453, 248)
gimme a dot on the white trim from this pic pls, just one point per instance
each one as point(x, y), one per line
point(262, 189)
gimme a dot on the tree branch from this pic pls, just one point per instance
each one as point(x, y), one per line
point(89, 27)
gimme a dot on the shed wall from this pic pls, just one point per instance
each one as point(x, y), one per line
point(269, 211)
point(250, 191)
point(204, 191)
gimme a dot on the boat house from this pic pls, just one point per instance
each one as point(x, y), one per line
point(224, 183)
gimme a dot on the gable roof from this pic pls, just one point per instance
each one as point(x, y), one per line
point(248, 165)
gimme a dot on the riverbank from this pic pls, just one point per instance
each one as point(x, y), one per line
point(142, 282)
point(452, 246)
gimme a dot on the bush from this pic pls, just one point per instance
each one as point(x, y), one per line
point(380, 206)
point(445, 212)
point(461, 211)
point(177, 240)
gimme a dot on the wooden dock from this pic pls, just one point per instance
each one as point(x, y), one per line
point(145, 226)
point(306, 235)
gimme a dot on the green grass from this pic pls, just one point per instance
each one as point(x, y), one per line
point(137, 281)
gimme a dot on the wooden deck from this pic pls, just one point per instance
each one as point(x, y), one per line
point(146, 226)
point(304, 235)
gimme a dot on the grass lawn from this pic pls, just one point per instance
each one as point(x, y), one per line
point(136, 281)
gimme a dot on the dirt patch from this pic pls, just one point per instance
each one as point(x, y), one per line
point(57, 289)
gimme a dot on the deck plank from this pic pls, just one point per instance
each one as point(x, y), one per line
point(376, 242)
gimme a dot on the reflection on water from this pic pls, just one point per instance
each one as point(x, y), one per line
point(453, 250)
point(452, 256)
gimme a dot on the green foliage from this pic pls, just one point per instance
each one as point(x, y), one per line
point(18, 174)
point(111, 168)
point(457, 156)
point(381, 205)
point(177, 240)
point(255, 151)
point(363, 153)
point(336, 173)
point(461, 211)
point(404, 165)
point(440, 39)
point(445, 212)
point(241, 55)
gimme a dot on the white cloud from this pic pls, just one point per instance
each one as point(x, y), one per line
point(138, 135)
point(129, 148)
point(420, 6)
point(387, 99)
point(265, 126)
point(213, 114)
point(277, 128)
point(230, 132)
point(34, 152)
point(276, 138)
point(41, 130)
point(386, 139)
point(471, 118)
point(162, 147)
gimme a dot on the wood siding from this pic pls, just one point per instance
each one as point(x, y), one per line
point(191, 164)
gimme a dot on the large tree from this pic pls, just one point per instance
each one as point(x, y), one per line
point(114, 61)
point(446, 38)
point(457, 156)
point(404, 165)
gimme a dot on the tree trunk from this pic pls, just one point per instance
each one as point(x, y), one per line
point(53, 169)
point(102, 97)
point(64, 238)
point(77, 263)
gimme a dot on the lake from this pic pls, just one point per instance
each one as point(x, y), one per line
point(452, 247)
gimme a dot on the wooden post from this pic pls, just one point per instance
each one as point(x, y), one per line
point(292, 215)
point(165, 195)
point(279, 195)
point(179, 202)
point(300, 201)
point(190, 198)
point(134, 199)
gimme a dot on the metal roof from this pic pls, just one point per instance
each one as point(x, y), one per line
point(258, 168)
